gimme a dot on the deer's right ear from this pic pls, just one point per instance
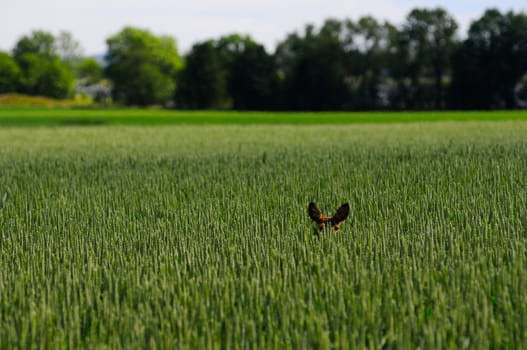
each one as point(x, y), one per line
point(341, 215)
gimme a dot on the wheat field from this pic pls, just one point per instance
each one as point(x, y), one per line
point(198, 236)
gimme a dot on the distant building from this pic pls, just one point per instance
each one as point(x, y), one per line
point(100, 92)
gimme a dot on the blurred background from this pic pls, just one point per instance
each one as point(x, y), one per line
point(265, 55)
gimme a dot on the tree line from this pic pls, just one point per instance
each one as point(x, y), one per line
point(421, 64)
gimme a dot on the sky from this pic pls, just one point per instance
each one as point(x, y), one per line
point(267, 21)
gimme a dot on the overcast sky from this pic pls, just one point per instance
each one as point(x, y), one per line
point(267, 21)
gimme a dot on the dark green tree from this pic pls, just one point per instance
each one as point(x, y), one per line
point(314, 69)
point(39, 43)
point(231, 72)
point(9, 73)
point(370, 47)
point(428, 39)
point(42, 72)
point(203, 81)
point(142, 67)
point(252, 78)
point(45, 77)
point(491, 62)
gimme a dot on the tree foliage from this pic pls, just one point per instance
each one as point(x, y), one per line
point(41, 70)
point(428, 40)
point(39, 43)
point(203, 81)
point(9, 73)
point(45, 77)
point(314, 68)
point(231, 72)
point(251, 75)
point(340, 65)
point(371, 48)
point(491, 62)
point(142, 67)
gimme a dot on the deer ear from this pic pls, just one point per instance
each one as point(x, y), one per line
point(314, 212)
point(341, 215)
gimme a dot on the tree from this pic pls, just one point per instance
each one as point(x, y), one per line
point(67, 48)
point(314, 69)
point(39, 43)
point(428, 38)
point(9, 73)
point(203, 81)
point(371, 47)
point(231, 72)
point(491, 62)
point(41, 71)
point(45, 77)
point(142, 67)
point(252, 79)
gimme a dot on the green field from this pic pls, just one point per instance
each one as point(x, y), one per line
point(197, 236)
point(17, 116)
